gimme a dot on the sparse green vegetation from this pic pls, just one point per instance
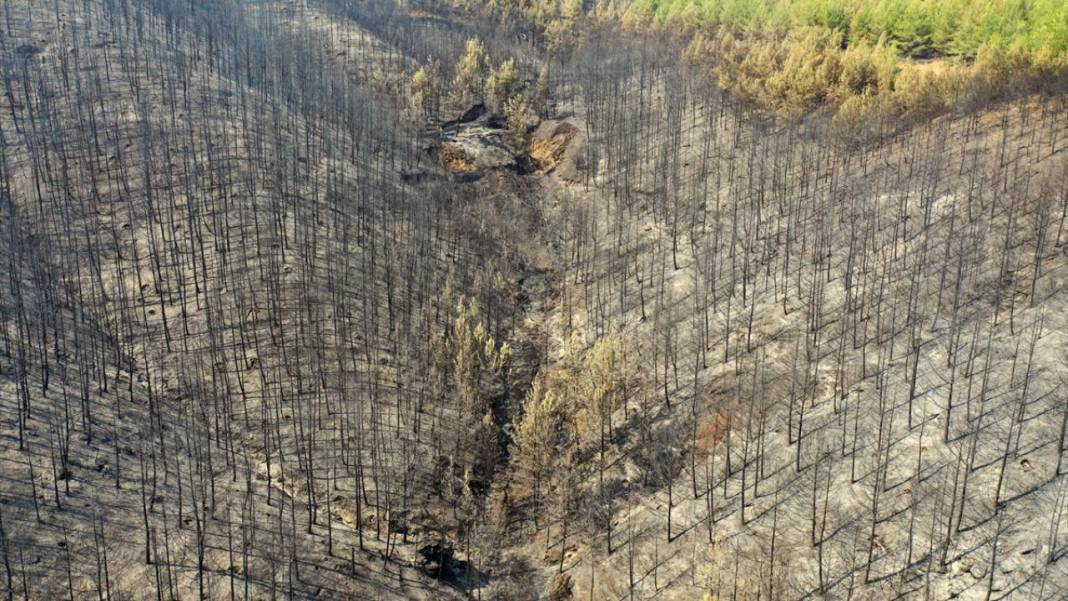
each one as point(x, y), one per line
point(425, 89)
point(471, 72)
point(503, 83)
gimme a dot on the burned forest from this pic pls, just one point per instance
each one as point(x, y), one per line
point(533, 300)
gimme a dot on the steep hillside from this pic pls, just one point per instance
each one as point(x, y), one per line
point(226, 253)
point(359, 299)
point(852, 359)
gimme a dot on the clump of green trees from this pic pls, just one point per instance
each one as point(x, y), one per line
point(477, 78)
point(867, 60)
point(870, 60)
point(809, 69)
point(915, 28)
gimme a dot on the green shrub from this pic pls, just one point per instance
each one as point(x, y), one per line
point(471, 72)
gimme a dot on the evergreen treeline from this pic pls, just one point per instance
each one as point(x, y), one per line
point(915, 28)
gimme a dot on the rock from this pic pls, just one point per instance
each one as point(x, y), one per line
point(470, 115)
point(27, 50)
point(347, 516)
point(475, 147)
point(438, 560)
point(560, 588)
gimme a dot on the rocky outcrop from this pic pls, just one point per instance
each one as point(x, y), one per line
point(475, 141)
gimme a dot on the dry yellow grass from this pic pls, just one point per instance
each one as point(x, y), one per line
point(455, 161)
point(548, 152)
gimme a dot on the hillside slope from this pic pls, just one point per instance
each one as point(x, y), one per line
point(221, 240)
point(875, 327)
point(283, 318)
